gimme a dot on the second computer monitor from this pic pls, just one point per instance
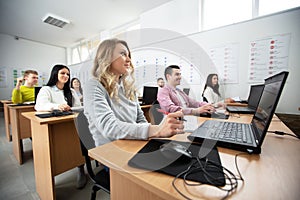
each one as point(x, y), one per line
point(186, 91)
point(36, 92)
point(149, 95)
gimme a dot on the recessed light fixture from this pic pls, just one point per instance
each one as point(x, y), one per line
point(55, 20)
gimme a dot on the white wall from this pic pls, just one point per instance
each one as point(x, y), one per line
point(177, 15)
point(166, 17)
point(243, 33)
point(25, 54)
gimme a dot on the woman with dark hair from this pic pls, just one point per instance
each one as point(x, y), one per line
point(211, 92)
point(57, 94)
point(76, 85)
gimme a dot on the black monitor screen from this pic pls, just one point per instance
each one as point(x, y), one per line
point(149, 94)
point(267, 104)
point(36, 91)
point(254, 96)
point(186, 91)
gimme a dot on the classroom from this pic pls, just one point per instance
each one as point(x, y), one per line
point(245, 43)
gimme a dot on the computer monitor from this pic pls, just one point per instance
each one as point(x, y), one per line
point(36, 91)
point(186, 91)
point(149, 95)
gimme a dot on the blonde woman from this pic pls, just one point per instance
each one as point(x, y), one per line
point(110, 100)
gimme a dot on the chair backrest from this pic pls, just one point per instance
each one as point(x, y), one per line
point(155, 116)
point(204, 99)
point(101, 178)
point(83, 131)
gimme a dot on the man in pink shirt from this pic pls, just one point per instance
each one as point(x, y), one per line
point(172, 99)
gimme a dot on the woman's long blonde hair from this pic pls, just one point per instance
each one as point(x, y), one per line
point(101, 70)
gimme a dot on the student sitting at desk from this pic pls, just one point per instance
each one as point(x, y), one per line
point(110, 99)
point(211, 92)
point(160, 82)
point(172, 99)
point(76, 85)
point(58, 95)
point(25, 93)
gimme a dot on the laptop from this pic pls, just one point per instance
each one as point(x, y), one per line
point(242, 136)
point(149, 95)
point(253, 100)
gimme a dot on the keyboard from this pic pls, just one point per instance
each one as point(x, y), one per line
point(54, 113)
point(229, 131)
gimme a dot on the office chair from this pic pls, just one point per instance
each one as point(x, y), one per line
point(100, 179)
point(204, 99)
point(155, 116)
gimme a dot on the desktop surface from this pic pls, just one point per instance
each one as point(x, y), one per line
point(267, 169)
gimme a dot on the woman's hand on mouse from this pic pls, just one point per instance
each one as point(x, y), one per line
point(171, 125)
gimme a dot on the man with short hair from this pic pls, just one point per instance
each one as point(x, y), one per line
point(25, 93)
point(172, 99)
point(160, 82)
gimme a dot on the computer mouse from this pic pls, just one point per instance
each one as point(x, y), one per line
point(173, 150)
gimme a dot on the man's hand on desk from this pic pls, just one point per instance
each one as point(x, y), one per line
point(208, 108)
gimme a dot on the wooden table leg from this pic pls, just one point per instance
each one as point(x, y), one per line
point(20, 129)
point(7, 122)
point(44, 178)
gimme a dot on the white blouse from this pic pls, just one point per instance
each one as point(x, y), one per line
point(211, 96)
point(50, 98)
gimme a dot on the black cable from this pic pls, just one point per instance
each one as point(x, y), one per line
point(236, 165)
point(283, 133)
point(231, 180)
point(177, 176)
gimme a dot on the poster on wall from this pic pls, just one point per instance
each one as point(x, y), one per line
point(43, 78)
point(150, 64)
point(268, 56)
point(19, 72)
point(16, 74)
point(3, 77)
point(225, 59)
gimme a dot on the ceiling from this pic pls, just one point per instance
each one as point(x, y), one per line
point(23, 18)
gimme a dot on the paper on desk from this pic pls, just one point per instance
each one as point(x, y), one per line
point(220, 111)
point(237, 99)
point(191, 123)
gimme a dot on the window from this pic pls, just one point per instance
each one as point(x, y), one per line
point(83, 51)
point(216, 13)
point(271, 6)
point(75, 56)
point(219, 12)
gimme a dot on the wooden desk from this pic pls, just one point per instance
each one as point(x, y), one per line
point(237, 104)
point(271, 175)
point(56, 149)
point(7, 118)
point(20, 128)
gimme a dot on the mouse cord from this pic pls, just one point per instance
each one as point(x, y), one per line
point(177, 176)
point(232, 180)
point(283, 133)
